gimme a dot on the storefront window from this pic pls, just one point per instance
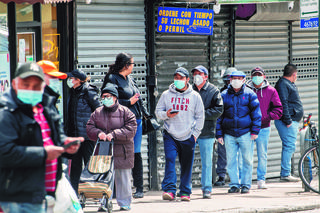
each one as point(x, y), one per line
point(50, 37)
point(4, 50)
point(24, 12)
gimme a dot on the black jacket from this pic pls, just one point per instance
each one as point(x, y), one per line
point(22, 156)
point(213, 105)
point(290, 99)
point(126, 89)
point(82, 101)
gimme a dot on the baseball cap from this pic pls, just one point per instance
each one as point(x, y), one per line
point(51, 69)
point(182, 71)
point(78, 74)
point(200, 68)
point(238, 73)
point(29, 69)
point(257, 69)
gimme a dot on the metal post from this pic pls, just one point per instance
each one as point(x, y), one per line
point(318, 83)
point(12, 37)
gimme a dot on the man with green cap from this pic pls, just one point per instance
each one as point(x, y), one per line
point(31, 143)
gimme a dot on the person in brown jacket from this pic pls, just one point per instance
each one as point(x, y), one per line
point(117, 122)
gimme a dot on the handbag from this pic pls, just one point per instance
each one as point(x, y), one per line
point(149, 124)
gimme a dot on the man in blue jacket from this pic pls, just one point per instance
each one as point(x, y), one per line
point(237, 127)
point(288, 125)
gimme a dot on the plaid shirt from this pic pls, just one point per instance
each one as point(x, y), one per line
point(51, 165)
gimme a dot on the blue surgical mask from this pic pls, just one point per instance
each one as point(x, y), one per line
point(108, 102)
point(179, 84)
point(257, 80)
point(70, 83)
point(30, 96)
point(54, 84)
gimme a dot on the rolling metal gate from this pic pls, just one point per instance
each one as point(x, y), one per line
point(189, 51)
point(267, 44)
point(104, 29)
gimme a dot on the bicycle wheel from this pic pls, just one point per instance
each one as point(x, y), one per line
point(309, 169)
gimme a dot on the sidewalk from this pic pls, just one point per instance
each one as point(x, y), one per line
point(279, 197)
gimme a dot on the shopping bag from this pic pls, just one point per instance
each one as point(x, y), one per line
point(149, 124)
point(99, 163)
point(66, 198)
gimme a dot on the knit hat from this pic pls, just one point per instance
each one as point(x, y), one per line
point(77, 74)
point(110, 88)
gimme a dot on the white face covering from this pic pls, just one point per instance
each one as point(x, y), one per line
point(197, 79)
point(237, 83)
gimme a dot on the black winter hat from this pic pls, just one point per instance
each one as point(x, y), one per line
point(110, 88)
point(77, 74)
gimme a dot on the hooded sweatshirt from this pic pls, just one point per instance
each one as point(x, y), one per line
point(190, 119)
point(270, 104)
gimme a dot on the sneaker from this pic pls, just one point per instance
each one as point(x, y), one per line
point(185, 197)
point(168, 196)
point(234, 189)
point(102, 209)
point(138, 195)
point(289, 179)
point(220, 182)
point(125, 208)
point(206, 194)
point(244, 190)
point(262, 184)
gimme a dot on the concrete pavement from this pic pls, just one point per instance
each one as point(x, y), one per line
point(279, 197)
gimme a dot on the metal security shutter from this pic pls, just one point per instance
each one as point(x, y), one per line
point(264, 44)
point(189, 51)
point(106, 28)
point(305, 57)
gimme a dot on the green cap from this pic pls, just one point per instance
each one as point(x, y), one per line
point(29, 69)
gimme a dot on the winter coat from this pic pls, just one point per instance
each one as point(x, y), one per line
point(127, 88)
point(241, 113)
point(22, 155)
point(190, 119)
point(290, 99)
point(270, 104)
point(213, 106)
point(121, 123)
point(82, 101)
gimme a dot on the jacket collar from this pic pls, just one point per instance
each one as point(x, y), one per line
point(205, 86)
point(112, 108)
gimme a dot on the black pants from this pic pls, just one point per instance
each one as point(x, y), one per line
point(137, 172)
point(83, 155)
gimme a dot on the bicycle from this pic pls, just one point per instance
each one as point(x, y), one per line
point(309, 161)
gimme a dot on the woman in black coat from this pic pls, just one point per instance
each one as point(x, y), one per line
point(83, 100)
point(129, 96)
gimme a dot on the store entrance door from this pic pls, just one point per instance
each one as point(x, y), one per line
point(26, 47)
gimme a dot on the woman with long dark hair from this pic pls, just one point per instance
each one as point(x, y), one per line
point(129, 96)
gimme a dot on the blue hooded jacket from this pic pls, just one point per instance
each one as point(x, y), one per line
point(241, 113)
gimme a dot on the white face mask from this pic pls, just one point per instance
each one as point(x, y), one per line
point(237, 83)
point(197, 79)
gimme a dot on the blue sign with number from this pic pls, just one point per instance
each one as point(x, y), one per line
point(309, 23)
point(185, 20)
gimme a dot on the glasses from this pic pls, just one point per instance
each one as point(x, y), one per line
point(132, 63)
point(107, 96)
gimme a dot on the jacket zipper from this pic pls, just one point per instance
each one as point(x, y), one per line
point(7, 184)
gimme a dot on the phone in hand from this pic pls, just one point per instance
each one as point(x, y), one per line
point(174, 111)
point(66, 146)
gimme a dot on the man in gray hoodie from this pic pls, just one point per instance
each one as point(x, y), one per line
point(182, 110)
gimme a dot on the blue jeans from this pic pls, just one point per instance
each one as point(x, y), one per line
point(9, 207)
point(233, 146)
point(138, 137)
point(185, 151)
point(262, 150)
point(206, 151)
point(288, 137)
point(222, 160)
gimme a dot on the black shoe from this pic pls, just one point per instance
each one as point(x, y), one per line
point(233, 189)
point(102, 209)
point(220, 182)
point(244, 190)
point(178, 194)
point(138, 195)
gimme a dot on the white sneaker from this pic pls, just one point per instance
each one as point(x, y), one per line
point(262, 184)
point(289, 179)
